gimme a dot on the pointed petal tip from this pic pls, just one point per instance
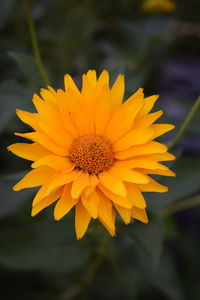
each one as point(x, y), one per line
point(16, 188)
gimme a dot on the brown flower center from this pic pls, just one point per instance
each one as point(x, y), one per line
point(92, 154)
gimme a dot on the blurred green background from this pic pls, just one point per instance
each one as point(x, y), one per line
point(155, 49)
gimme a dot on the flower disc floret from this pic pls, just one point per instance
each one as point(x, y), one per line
point(92, 154)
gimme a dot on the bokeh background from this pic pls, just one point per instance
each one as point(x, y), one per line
point(157, 47)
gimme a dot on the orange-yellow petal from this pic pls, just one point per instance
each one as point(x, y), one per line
point(102, 108)
point(152, 186)
point(69, 84)
point(135, 196)
point(164, 172)
point(148, 148)
point(42, 192)
point(160, 129)
point(125, 202)
point(56, 162)
point(46, 202)
point(139, 214)
point(28, 118)
point(106, 213)
point(162, 156)
point(91, 203)
point(147, 120)
point(29, 151)
point(82, 220)
point(134, 137)
point(68, 113)
point(128, 175)
point(125, 213)
point(80, 182)
point(45, 141)
point(92, 77)
point(138, 162)
point(49, 96)
point(65, 203)
point(35, 178)
point(103, 79)
point(62, 179)
point(112, 183)
point(148, 105)
point(56, 133)
point(122, 120)
point(117, 93)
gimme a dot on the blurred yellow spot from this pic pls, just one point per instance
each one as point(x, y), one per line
point(158, 6)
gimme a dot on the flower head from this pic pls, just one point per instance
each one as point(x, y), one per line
point(92, 151)
point(158, 6)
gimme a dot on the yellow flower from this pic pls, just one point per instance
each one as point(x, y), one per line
point(158, 6)
point(91, 151)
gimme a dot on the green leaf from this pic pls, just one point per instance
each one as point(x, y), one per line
point(12, 96)
point(45, 245)
point(185, 184)
point(11, 201)
point(28, 65)
point(148, 238)
point(163, 277)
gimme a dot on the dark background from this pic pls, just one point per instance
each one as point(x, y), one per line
point(40, 258)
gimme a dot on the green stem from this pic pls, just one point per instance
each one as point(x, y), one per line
point(35, 43)
point(185, 204)
point(185, 123)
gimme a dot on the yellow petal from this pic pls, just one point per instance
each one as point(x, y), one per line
point(147, 120)
point(46, 110)
point(78, 113)
point(56, 162)
point(103, 79)
point(49, 96)
point(117, 93)
point(29, 151)
point(148, 148)
point(65, 203)
point(106, 212)
point(162, 156)
point(62, 179)
point(160, 129)
point(91, 203)
point(46, 202)
point(82, 220)
point(134, 137)
point(152, 186)
point(42, 193)
point(45, 141)
point(68, 113)
point(139, 214)
point(28, 118)
point(69, 84)
point(112, 183)
point(35, 178)
point(125, 213)
point(164, 172)
point(138, 162)
point(125, 202)
point(92, 77)
point(135, 196)
point(81, 181)
point(56, 133)
point(90, 189)
point(122, 120)
point(102, 108)
point(128, 175)
point(148, 105)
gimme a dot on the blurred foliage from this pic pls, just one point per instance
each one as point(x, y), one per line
point(40, 258)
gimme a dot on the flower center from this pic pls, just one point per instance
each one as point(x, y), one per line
point(92, 154)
